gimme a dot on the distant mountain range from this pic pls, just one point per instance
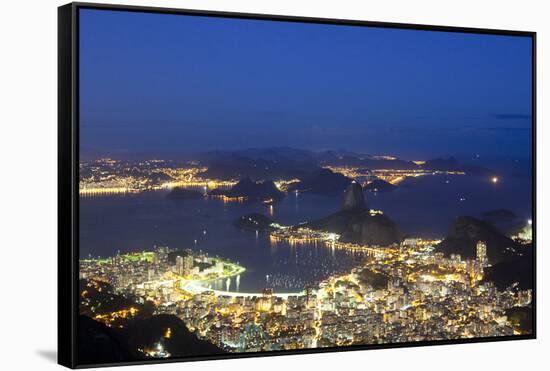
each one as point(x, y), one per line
point(287, 163)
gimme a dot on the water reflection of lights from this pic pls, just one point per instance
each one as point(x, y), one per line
point(227, 199)
point(103, 191)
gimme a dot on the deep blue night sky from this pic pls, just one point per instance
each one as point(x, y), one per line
point(162, 83)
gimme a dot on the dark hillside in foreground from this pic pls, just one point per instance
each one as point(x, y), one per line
point(180, 342)
point(119, 342)
point(98, 343)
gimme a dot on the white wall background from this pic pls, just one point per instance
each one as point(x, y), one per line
point(28, 83)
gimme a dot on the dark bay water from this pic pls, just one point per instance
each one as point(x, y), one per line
point(426, 208)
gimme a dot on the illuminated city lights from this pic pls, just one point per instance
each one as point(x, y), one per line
point(413, 298)
point(394, 294)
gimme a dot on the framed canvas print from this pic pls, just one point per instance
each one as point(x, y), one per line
point(235, 185)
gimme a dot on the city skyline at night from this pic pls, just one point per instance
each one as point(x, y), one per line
point(256, 186)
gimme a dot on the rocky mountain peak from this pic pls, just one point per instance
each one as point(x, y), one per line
point(354, 197)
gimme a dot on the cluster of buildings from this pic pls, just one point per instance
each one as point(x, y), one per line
point(108, 176)
point(392, 176)
point(156, 275)
point(403, 293)
point(300, 235)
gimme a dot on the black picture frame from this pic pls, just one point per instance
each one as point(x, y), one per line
point(68, 175)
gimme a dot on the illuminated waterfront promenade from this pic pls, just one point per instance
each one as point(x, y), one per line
point(103, 191)
point(194, 287)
